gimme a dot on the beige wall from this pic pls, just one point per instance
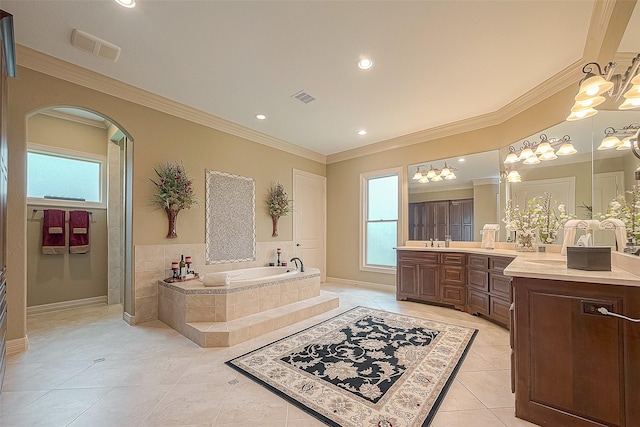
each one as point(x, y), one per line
point(343, 177)
point(157, 137)
point(485, 208)
point(66, 277)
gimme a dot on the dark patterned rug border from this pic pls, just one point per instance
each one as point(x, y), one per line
point(434, 409)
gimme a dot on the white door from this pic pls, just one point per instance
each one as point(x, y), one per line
point(309, 223)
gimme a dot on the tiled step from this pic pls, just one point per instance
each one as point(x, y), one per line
point(225, 334)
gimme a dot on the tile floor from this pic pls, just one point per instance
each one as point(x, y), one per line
point(86, 367)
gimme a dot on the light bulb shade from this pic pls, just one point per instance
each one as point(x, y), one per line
point(532, 160)
point(588, 103)
point(431, 174)
point(417, 175)
point(525, 154)
point(630, 104)
point(609, 142)
point(549, 155)
point(592, 87)
point(566, 149)
point(511, 158)
point(636, 80)
point(634, 92)
point(445, 171)
point(436, 178)
point(514, 176)
point(543, 148)
point(625, 144)
point(451, 176)
point(423, 180)
point(579, 115)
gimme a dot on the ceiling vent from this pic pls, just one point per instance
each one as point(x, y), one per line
point(303, 96)
point(94, 45)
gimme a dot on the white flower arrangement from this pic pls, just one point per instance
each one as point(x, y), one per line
point(627, 210)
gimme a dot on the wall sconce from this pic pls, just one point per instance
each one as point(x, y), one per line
point(511, 175)
point(613, 135)
point(597, 83)
point(434, 174)
point(532, 153)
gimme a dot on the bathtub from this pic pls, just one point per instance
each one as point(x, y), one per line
point(248, 276)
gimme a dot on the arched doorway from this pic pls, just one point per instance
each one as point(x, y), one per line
point(79, 160)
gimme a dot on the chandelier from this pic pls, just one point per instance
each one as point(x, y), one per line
point(612, 138)
point(533, 153)
point(434, 174)
point(598, 82)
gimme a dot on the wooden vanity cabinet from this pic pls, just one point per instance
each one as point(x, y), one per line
point(488, 289)
point(431, 277)
point(574, 366)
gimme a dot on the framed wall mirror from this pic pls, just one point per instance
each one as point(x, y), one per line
point(453, 197)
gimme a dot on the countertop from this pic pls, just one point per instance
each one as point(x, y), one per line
point(545, 265)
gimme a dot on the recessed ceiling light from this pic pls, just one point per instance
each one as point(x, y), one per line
point(260, 116)
point(127, 3)
point(362, 132)
point(462, 160)
point(365, 63)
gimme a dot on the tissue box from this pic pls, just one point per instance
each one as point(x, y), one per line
point(592, 258)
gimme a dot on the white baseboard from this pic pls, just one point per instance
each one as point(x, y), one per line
point(359, 283)
point(66, 305)
point(17, 346)
point(129, 319)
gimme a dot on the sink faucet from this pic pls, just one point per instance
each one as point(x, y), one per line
point(295, 261)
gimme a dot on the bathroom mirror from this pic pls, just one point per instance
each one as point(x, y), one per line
point(454, 196)
point(230, 218)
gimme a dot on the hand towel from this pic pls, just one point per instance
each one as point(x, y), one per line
point(618, 227)
point(569, 236)
point(53, 232)
point(78, 232)
point(489, 236)
point(216, 279)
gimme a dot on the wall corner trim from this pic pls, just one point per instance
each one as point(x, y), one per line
point(66, 305)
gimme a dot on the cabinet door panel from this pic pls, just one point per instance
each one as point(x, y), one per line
point(478, 261)
point(428, 284)
point(499, 263)
point(407, 279)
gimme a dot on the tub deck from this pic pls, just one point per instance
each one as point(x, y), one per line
point(227, 315)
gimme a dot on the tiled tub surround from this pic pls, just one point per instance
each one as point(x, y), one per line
point(152, 263)
point(230, 314)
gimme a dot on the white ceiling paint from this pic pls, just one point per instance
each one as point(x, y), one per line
point(435, 62)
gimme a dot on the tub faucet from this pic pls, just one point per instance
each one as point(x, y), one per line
point(295, 261)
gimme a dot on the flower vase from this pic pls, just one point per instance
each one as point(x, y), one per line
point(525, 241)
point(172, 215)
point(274, 220)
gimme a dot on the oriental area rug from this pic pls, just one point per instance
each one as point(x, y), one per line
point(364, 368)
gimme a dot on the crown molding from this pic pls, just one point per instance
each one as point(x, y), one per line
point(43, 63)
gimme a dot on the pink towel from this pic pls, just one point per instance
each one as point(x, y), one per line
point(53, 232)
point(78, 232)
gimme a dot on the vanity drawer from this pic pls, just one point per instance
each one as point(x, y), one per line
point(453, 295)
point(477, 302)
point(452, 275)
point(478, 261)
point(418, 256)
point(499, 263)
point(500, 285)
point(454, 259)
point(478, 279)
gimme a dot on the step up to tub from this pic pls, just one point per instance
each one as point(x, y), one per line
point(225, 334)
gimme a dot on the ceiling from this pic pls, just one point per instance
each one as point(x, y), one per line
point(435, 62)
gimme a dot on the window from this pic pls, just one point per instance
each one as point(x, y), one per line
point(380, 195)
point(62, 177)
